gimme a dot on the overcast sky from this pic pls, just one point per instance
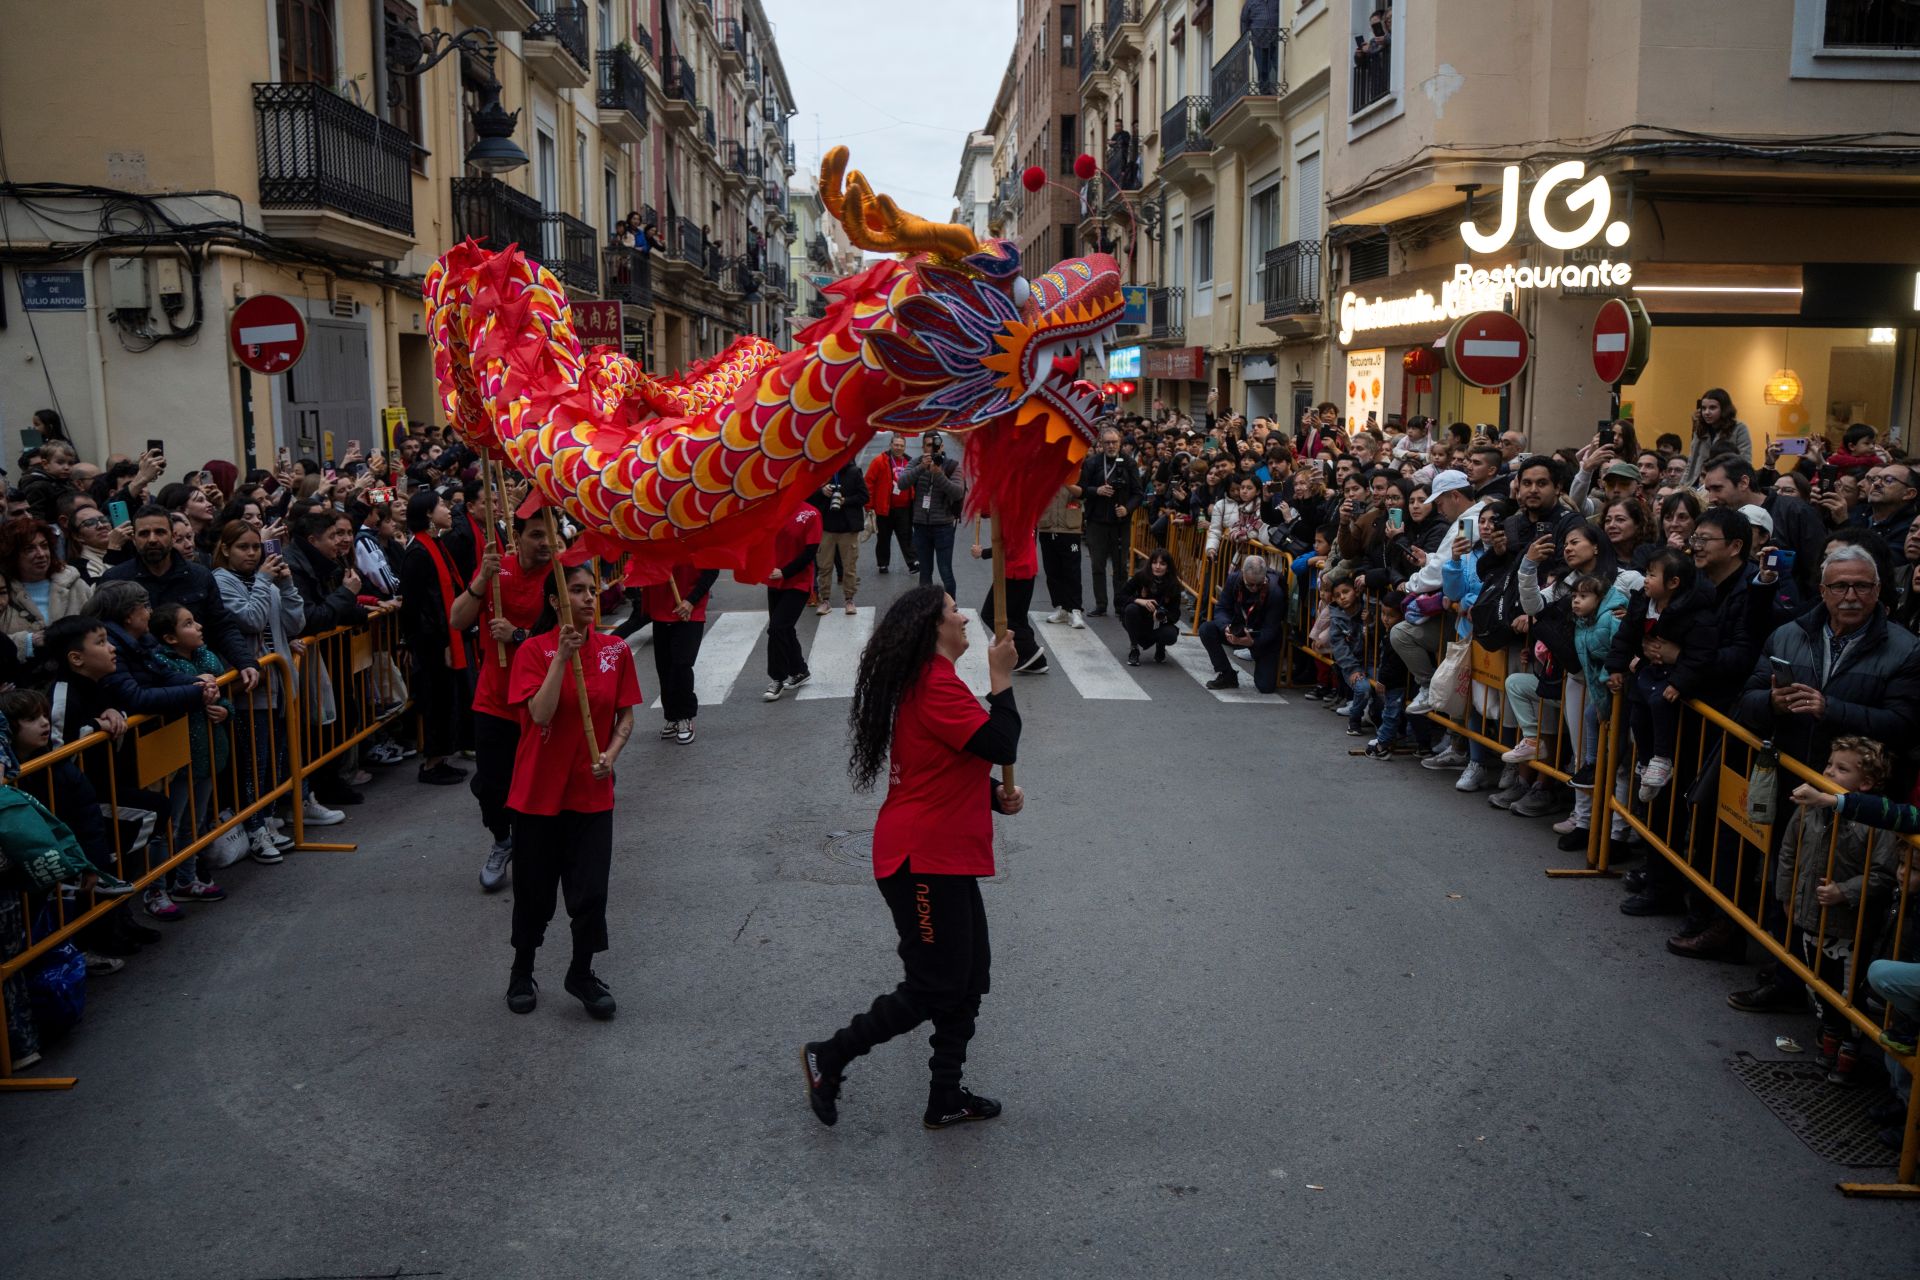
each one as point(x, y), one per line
point(900, 85)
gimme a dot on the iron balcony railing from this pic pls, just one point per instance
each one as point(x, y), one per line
point(1167, 313)
point(818, 250)
point(680, 82)
point(565, 24)
point(1123, 163)
point(817, 308)
point(1291, 285)
point(623, 86)
point(688, 244)
point(629, 275)
point(644, 38)
point(317, 150)
point(789, 151)
point(707, 129)
point(1119, 13)
point(774, 279)
point(571, 250)
point(1372, 77)
point(728, 31)
point(493, 213)
point(733, 277)
point(1090, 50)
point(1184, 128)
point(1251, 68)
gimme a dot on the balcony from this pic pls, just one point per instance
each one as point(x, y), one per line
point(1248, 84)
point(1290, 284)
point(707, 134)
point(494, 214)
point(643, 39)
point(680, 103)
point(773, 281)
point(733, 46)
point(629, 275)
point(554, 44)
point(622, 97)
point(817, 308)
point(1124, 30)
point(1167, 313)
point(570, 249)
point(819, 251)
point(1092, 52)
point(689, 246)
point(733, 278)
point(1186, 145)
point(733, 164)
point(1372, 78)
point(498, 15)
point(331, 175)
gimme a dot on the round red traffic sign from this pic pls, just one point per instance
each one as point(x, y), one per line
point(1612, 340)
point(1488, 348)
point(268, 334)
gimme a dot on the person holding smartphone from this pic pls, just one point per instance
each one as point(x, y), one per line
point(1717, 430)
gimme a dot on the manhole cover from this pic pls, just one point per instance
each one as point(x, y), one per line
point(851, 848)
point(1831, 1119)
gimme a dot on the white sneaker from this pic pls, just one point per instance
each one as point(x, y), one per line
point(1654, 778)
point(1475, 777)
point(318, 815)
point(774, 689)
point(668, 729)
point(261, 848)
point(1077, 620)
point(1057, 616)
point(1524, 750)
point(1451, 758)
point(1422, 701)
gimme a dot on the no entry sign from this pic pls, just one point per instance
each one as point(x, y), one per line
point(268, 334)
point(1622, 339)
point(1488, 349)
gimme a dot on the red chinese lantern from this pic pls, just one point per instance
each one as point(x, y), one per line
point(1110, 388)
point(1127, 388)
point(1421, 361)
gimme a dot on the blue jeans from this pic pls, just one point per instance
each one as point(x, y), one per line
point(929, 541)
point(1897, 981)
point(1394, 724)
point(1363, 697)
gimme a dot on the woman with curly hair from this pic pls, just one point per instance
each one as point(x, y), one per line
point(913, 717)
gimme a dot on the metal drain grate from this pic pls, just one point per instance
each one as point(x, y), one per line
point(1830, 1119)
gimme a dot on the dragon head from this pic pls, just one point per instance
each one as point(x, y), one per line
point(972, 340)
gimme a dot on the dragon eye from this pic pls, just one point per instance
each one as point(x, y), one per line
point(1021, 291)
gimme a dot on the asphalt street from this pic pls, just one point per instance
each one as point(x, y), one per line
point(1259, 1007)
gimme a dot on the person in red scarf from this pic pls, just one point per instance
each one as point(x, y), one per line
point(892, 505)
point(562, 801)
point(522, 577)
point(678, 611)
point(430, 581)
point(795, 544)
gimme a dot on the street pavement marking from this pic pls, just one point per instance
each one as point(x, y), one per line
point(834, 658)
point(972, 667)
point(1192, 657)
point(724, 650)
point(1089, 664)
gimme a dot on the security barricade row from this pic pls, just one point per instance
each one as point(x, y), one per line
point(161, 792)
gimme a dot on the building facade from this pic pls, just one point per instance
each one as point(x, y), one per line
point(1753, 193)
point(973, 190)
point(1209, 122)
point(1044, 97)
point(289, 148)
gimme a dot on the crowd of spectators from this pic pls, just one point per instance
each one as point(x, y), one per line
point(1784, 596)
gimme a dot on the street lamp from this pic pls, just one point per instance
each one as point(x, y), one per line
point(411, 52)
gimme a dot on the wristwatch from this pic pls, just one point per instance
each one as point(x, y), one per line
point(519, 634)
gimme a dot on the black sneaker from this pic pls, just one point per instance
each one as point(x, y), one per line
point(591, 992)
point(823, 1085)
point(1583, 777)
point(1159, 653)
point(1635, 881)
point(522, 992)
point(1033, 666)
point(442, 774)
point(1099, 612)
point(1574, 841)
point(1648, 904)
point(1378, 750)
point(882, 570)
point(1225, 680)
point(1133, 655)
point(1768, 997)
point(958, 1109)
point(1355, 733)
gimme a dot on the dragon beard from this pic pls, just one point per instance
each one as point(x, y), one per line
point(1014, 478)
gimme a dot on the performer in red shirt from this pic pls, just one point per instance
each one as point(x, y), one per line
point(794, 548)
point(563, 802)
point(678, 610)
point(1023, 566)
point(933, 841)
point(524, 578)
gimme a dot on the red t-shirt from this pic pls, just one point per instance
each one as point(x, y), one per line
point(937, 816)
point(659, 600)
point(552, 769)
point(523, 597)
point(1023, 556)
point(794, 536)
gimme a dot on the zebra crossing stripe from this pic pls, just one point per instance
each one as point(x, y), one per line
point(1192, 658)
point(1088, 664)
point(724, 650)
point(972, 667)
point(834, 658)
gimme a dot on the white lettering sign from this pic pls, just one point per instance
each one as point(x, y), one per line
point(1472, 289)
point(1593, 195)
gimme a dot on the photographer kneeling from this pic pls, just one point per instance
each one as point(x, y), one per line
point(1151, 608)
point(1250, 613)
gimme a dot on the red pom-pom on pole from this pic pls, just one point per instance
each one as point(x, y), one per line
point(1084, 166)
point(1034, 178)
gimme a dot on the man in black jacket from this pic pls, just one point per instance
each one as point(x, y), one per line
point(430, 581)
point(169, 579)
point(843, 505)
point(1108, 485)
point(330, 588)
point(1538, 482)
point(1797, 527)
point(1249, 613)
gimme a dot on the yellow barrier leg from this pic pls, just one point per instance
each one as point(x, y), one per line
point(1600, 817)
point(36, 1084)
point(296, 765)
point(1906, 1188)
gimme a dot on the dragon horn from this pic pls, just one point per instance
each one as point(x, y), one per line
point(876, 223)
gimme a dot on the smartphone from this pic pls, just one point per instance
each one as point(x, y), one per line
point(1794, 444)
point(156, 446)
point(1396, 520)
point(30, 438)
point(1466, 527)
point(1783, 671)
point(118, 513)
point(1770, 560)
point(271, 546)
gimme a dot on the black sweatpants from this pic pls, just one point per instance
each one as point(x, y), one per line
point(1142, 631)
point(676, 647)
point(435, 690)
point(897, 523)
point(1019, 601)
point(565, 851)
point(495, 741)
point(942, 925)
point(784, 607)
point(1060, 561)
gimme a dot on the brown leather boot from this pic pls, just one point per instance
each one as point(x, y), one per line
point(1721, 940)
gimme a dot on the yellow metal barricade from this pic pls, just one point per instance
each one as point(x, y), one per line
point(346, 696)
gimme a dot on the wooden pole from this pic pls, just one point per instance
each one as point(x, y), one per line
point(493, 529)
point(999, 600)
point(566, 619)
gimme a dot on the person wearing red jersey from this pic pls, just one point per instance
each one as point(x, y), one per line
point(932, 843)
point(1023, 566)
point(795, 545)
point(678, 610)
point(563, 802)
point(523, 577)
point(892, 506)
